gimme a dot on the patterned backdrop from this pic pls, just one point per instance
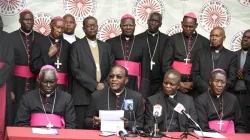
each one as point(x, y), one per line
point(233, 15)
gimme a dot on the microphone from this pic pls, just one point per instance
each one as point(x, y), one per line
point(181, 109)
point(122, 135)
point(131, 110)
point(157, 110)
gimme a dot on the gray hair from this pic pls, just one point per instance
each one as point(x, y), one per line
point(42, 72)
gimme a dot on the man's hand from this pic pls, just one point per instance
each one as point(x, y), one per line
point(182, 87)
point(96, 120)
point(240, 73)
point(100, 86)
point(13, 97)
point(125, 122)
point(189, 85)
point(52, 50)
point(186, 86)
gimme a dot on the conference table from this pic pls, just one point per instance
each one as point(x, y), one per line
point(25, 133)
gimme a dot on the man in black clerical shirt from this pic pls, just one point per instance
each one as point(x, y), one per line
point(132, 53)
point(212, 57)
point(23, 79)
point(242, 88)
point(170, 120)
point(181, 50)
point(46, 106)
point(219, 110)
point(53, 50)
point(156, 42)
point(69, 30)
point(113, 98)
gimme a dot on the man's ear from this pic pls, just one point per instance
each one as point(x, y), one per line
point(126, 80)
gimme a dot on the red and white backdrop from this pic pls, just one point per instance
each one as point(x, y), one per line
point(233, 15)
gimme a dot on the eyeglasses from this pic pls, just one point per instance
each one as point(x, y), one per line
point(117, 76)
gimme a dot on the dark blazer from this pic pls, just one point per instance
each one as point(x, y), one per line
point(84, 69)
point(185, 100)
point(246, 69)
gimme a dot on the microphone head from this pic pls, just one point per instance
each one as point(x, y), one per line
point(157, 110)
point(130, 107)
point(121, 132)
point(128, 104)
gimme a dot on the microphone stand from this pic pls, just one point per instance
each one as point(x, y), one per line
point(155, 132)
point(186, 132)
point(132, 133)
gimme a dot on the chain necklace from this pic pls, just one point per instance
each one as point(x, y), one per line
point(123, 99)
point(156, 45)
point(24, 44)
point(220, 116)
point(52, 111)
point(188, 53)
point(59, 53)
point(126, 61)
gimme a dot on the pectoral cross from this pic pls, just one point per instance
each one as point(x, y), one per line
point(220, 123)
point(152, 63)
point(187, 60)
point(58, 63)
point(49, 125)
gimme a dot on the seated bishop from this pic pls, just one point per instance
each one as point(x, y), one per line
point(219, 110)
point(46, 106)
point(168, 119)
point(116, 97)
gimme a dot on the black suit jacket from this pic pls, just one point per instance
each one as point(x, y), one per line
point(185, 100)
point(246, 70)
point(84, 69)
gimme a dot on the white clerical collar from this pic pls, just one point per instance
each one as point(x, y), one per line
point(69, 38)
point(118, 93)
point(172, 96)
point(92, 43)
point(25, 32)
point(153, 34)
point(127, 38)
point(218, 96)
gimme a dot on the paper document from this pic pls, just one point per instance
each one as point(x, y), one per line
point(45, 131)
point(210, 134)
point(111, 120)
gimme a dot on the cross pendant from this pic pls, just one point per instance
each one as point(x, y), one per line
point(187, 60)
point(152, 63)
point(58, 64)
point(49, 125)
point(220, 123)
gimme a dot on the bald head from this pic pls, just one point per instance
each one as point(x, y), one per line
point(220, 29)
point(217, 37)
point(173, 72)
